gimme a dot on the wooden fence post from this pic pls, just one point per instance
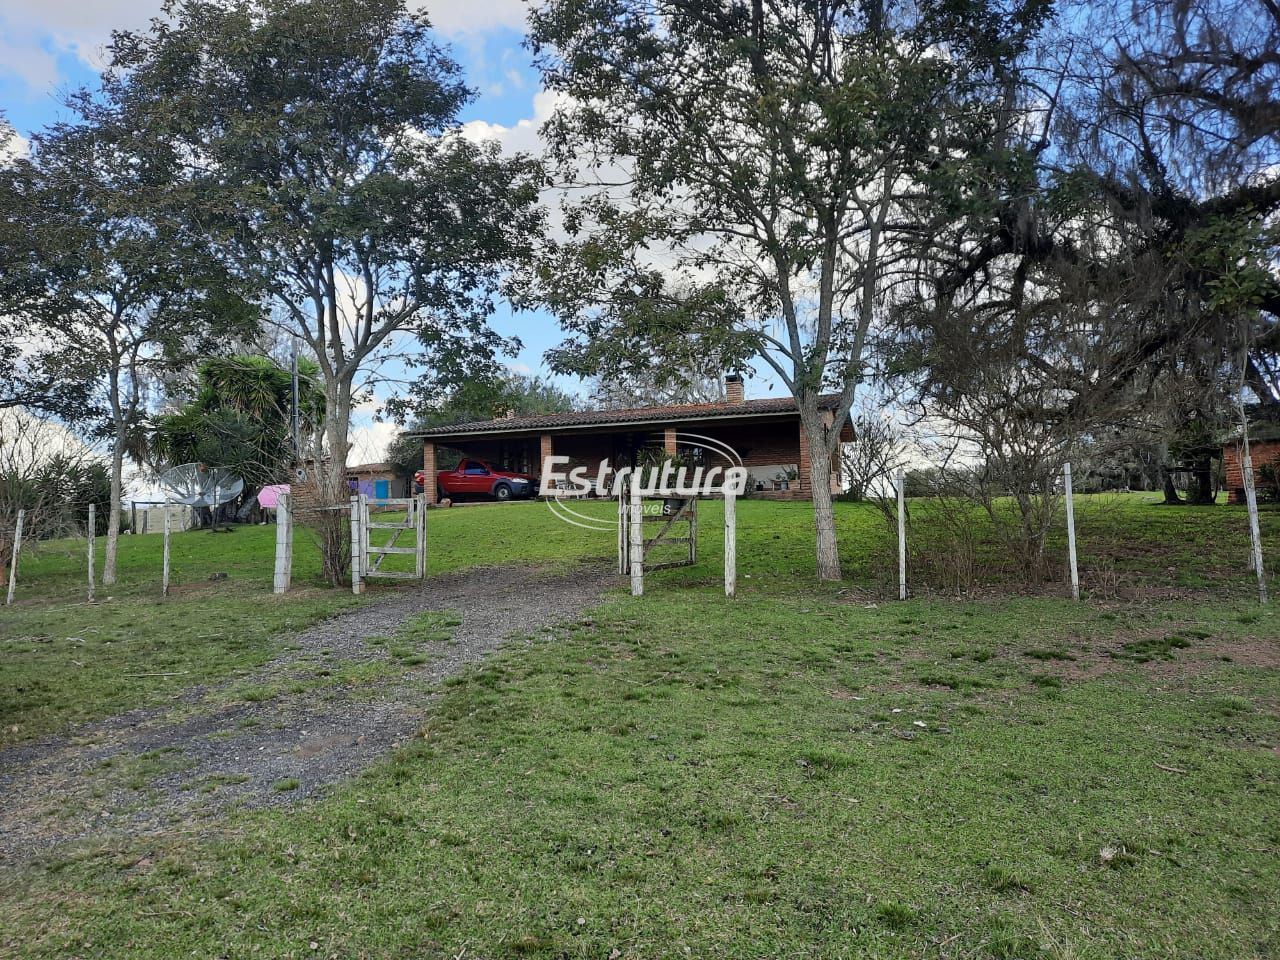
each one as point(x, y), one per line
point(284, 544)
point(357, 547)
point(420, 530)
point(1071, 531)
point(693, 529)
point(637, 538)
point(93, 539)
point(168, 529)
point(902, 536)
point(1255, 532)
point(730, 542)
point(624, 534)
point(13, 562)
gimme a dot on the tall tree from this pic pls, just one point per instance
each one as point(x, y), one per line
point(322, 136)
point(23, 382)
point(109, 281)
point(758, 164)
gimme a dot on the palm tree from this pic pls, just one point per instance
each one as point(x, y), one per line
point(241, 418)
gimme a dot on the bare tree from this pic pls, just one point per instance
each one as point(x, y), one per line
point(878, 449)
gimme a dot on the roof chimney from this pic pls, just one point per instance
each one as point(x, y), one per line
point(733, 388)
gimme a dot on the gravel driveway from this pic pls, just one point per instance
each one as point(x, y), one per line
point(211, 749)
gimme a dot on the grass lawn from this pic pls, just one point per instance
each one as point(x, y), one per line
point(807, 770)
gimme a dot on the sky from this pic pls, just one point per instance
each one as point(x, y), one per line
point(52, 46)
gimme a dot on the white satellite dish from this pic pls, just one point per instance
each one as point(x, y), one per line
point(197, 485)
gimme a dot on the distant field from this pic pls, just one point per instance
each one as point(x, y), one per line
point(808, 770)
point(64, 660)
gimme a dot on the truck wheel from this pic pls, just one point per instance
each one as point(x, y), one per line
point(502, 491)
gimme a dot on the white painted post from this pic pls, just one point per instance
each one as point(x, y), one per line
point(284, 545)
point(637, 538)
point(902, 536)
point(420, 505)
point(730, 542)
point(693, 529)
point(92, 538)
point(168, 528)
point(624, 532)
point(13, 562)
point(1071, 531)
point(357, 548)
point(1255, 532)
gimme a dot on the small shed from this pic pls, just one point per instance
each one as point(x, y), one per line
point(1264, 451)
point(378, 481)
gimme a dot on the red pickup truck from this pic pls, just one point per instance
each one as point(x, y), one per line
point(476, 478)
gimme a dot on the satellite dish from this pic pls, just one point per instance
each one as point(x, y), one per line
point(197, 485)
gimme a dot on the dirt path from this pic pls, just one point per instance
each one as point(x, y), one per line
point(234, 744)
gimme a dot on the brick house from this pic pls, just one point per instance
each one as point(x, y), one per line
point(766, 434)
point(1264, 448)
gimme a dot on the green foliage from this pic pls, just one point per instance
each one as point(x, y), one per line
point(322, 141)
point(241, 418)
point(480, 398)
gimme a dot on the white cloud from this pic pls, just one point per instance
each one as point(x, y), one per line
point(525, 136)
point(15, 147)
point(37, 68)
point(369, 439)
point(81, 27)
point(455, 17)
point(37, 32)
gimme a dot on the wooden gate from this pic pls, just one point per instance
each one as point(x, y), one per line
point(367, 556)
point(675, 523)
point(634, 547)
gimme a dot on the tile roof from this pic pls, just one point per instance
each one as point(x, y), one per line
point(636, 415)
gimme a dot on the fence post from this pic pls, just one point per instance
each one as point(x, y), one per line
point(13, 563)
point(284, 544)
point(1071, 531)
point(93, 538)
point(693, 529)
point(168, 528)
point(637, 538)
point(624, 535)
point(902, 536)
point(1255, 532)
point(730, 541)
point(420, 504)
point(357, 548)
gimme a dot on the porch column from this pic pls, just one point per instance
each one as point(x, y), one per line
point(544, 454)
point(669, 441)
point(429, 469)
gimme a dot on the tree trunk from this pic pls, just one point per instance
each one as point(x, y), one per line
point(113, 518)
point(333, 528)
point(1170, 491)
point(823, 515)
point(1202, 481)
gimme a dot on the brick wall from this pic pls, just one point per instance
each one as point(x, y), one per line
point(429, 469)
point(1260, 452)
